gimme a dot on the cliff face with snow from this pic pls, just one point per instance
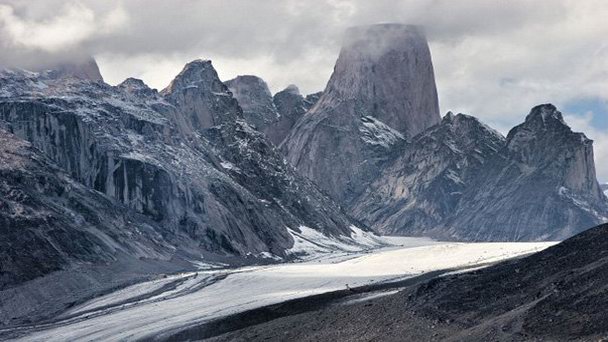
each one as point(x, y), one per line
point(383, 78)
point(461, 179)
point(184, 159)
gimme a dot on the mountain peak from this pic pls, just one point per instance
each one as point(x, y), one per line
point(86, 69)
point(544, 113)
point(136, 86)
point(293, 89)
point(255, 99)
point(200, 95)
point(386, 71)
point(193, 74)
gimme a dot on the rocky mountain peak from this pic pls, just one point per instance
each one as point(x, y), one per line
point(255, 99)
point(196, 73)
point(136, 86)
point(201, 97)
point(386, 70)
point(544, 141)
point(448, 117)
point(543, 116)
point(384, 74)
point(293, 89)
point(86, 69)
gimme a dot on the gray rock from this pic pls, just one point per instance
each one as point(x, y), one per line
point(461, 179)
point(384, 72)
point(201, 97)
point(255, 99)
point(84, 70)
point(291, 106)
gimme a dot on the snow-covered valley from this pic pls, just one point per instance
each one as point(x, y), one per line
point(166, 305)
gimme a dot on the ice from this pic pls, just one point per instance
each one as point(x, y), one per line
point(211, 294)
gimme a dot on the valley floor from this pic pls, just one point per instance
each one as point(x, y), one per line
point(162, 308)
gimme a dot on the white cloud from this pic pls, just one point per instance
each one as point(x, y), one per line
point(73, 25)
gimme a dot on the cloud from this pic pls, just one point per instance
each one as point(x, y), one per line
point(493, 58)
point(55, 37)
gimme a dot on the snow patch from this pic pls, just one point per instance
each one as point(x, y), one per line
point(375, 132)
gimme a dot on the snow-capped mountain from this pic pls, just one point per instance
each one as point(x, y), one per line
point(383, 77)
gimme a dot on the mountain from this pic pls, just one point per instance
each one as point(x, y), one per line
point(291, 106)
point(558, 294)
point(382, 83)
point(184, 158)
point(62, 242)
point(255, 99)
point(461, 179)
point(605, 188)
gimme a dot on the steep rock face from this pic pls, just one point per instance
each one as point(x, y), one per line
point(425, 183)
point(460, 179)
point(62, 242)
point(202, 97)
point(84, 70)
point(383, 72)
point(255, 99)
point(545, 142)
point(291, 106)
point(49, 221)
point(153, 153)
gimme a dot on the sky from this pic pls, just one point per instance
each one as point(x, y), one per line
point(494, 59)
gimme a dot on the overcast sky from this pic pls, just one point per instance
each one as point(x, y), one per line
point(493, 59)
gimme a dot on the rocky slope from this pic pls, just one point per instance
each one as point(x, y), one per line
point(558, 294)
point(184, 158)
point(461, 179)
point(604, 188)
point(291, 106)
point(383, 78)
point(52, 224)
point(255, 99)
point(272, 115)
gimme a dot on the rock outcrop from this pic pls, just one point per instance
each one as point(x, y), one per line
point(255, 99)
point(291, 106)
point(384, 74)
point(461, 179)
point(86, 69)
